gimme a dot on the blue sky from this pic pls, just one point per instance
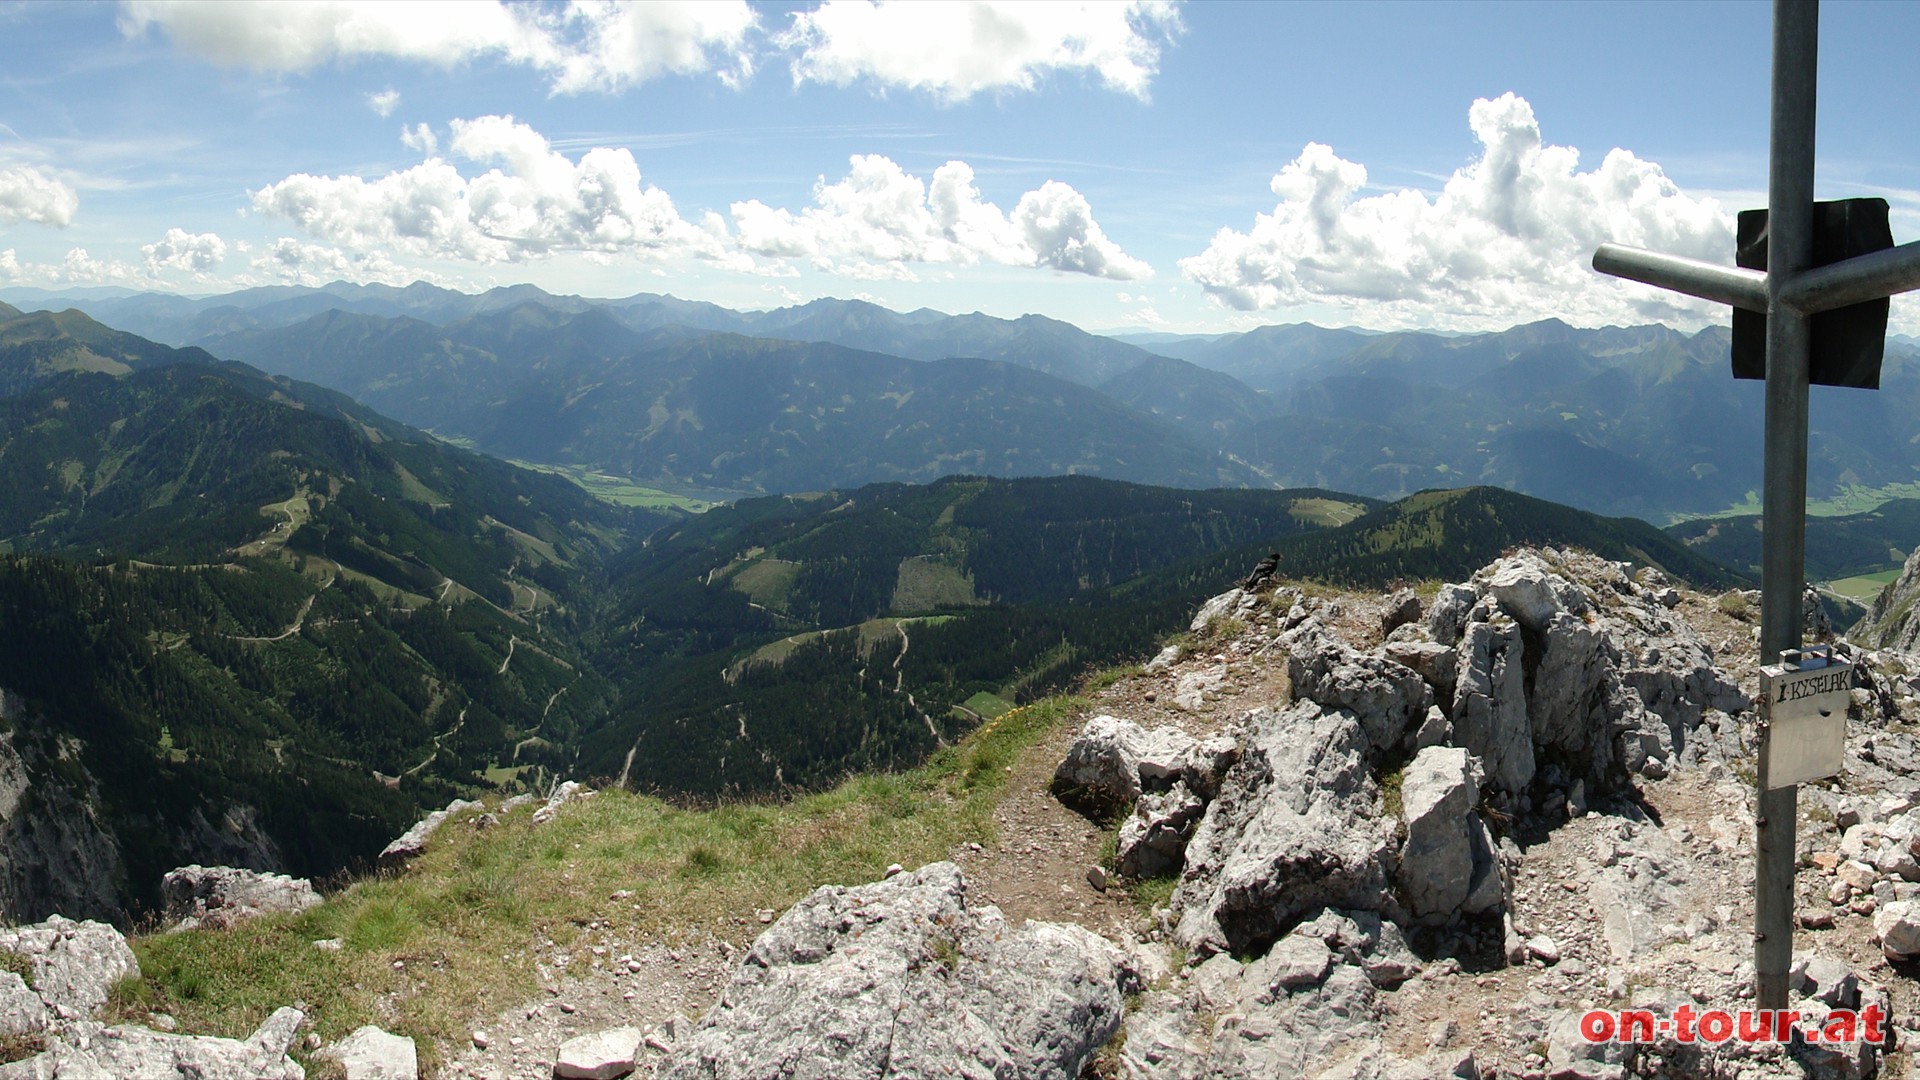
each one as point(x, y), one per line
point(1196, 167)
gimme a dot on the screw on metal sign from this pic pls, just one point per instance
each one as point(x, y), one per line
point(1826, 269)
point(1803, 707)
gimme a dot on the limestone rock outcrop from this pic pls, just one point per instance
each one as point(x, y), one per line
point(1386, 697)
point(1112, 761)
point(904, 978)
point(1894, 620)
point(409, 845)
point(1153, 839)
point(75, 964)
point(1447, 861)
point(219, 896)
point(92, 1051)
point(1297, 826)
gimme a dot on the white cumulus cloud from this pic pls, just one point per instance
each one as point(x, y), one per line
point(536, 202)
point(9, 265)
point(420, 137)
point(79, 268)
point(1508, 239)
point(627, 43)
point(296, 263)
point(182, 250)
point(587, 45)
point(29, 194)
point(384, 102)
point(954, 49)
point(303, 35)
point(879, 213)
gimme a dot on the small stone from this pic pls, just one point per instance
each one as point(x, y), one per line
point(516, 1041)
point(567, 1007)
point(634, 966)
point(1826, 861)
point(765, 915)
point(372, 1054)
point(1441, 1033)
point(480, 1040)
point(1544, 949)
point(399, 965)
point(1816, 919)
point(600, 1056)
point(332, 944)
point(1855, 873)
point(1097, 877)
point(894, 869)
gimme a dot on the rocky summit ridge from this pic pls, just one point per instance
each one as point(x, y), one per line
point(1408, 835)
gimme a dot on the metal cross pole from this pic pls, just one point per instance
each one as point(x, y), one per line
point(1790, 292)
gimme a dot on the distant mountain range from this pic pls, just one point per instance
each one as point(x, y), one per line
point(714, 410)
point(1643, 421)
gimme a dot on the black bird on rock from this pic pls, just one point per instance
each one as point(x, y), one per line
point(1262, 572)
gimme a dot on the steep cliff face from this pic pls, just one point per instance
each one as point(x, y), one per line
point(1894, 622)
point(61, 850)
point(54, 854)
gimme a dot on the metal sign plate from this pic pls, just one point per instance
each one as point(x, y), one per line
point(1806, 716)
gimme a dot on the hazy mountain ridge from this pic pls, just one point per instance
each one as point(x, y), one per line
point(727, 411)
point(1636, 420)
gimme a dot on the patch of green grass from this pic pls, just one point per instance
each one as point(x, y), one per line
point(16, 963)
point(460, 920)
point(1329, 512)
point(1864, 587)
point(619, 489)
point(1150, 894)
point(1390, 798)
point(1105, 678)
point(987, 706)
point(1852, 500)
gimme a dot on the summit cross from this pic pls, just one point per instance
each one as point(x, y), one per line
point(1789, 293)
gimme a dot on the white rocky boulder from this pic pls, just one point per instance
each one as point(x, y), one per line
point(1898, 926)
point(904, 978)
point(602, 1055)
point(1387, 698)
point(223, 895)
point(1490, 702)
point(90, 1051)
point(1112, 761)
point(372, 1054)
point(1445, 854)
point(1297, 826)
point(1153, 839)
point(74, 964)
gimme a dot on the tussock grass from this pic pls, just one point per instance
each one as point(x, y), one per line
point(466, 920)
